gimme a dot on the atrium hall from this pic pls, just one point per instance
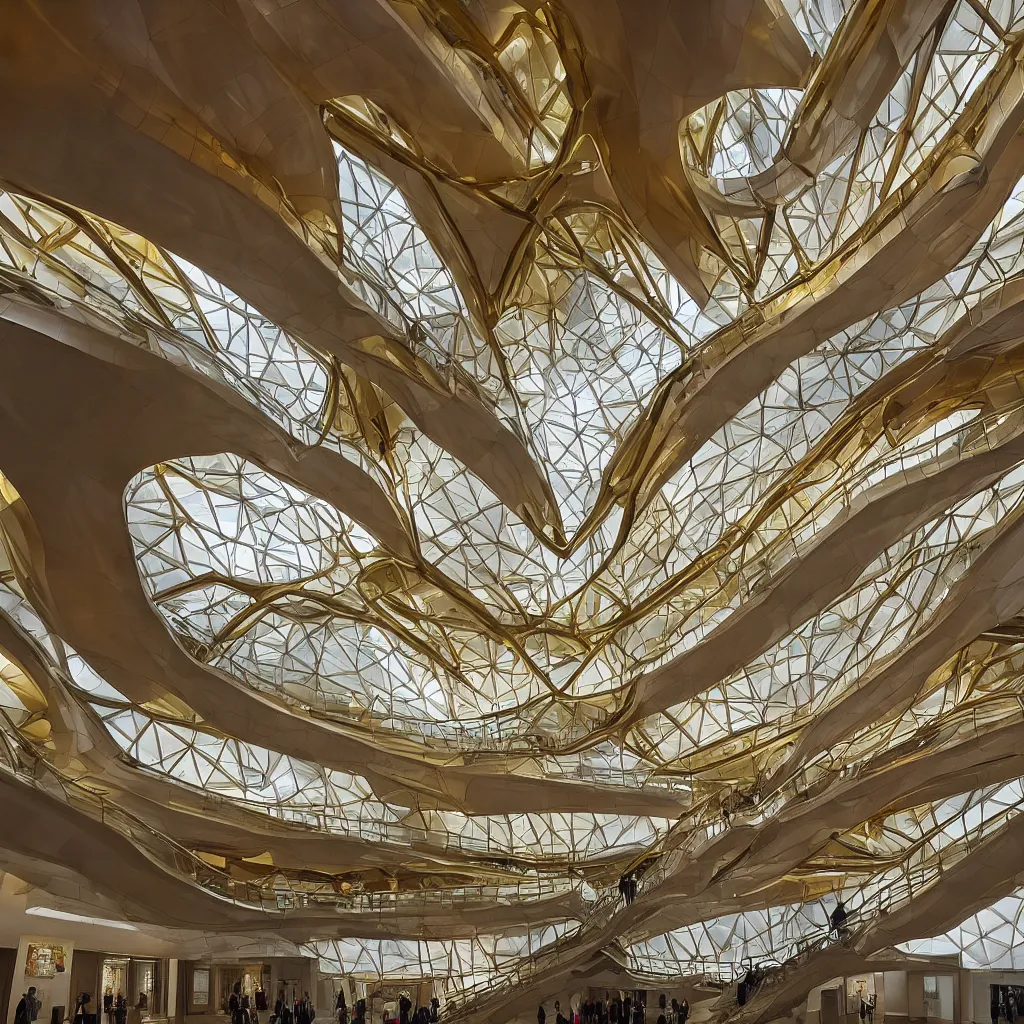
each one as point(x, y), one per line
point(511, 511)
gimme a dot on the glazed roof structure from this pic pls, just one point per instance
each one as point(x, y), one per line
point(456, 453)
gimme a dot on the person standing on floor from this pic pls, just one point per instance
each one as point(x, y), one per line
point(28, 1007)
point(81, 1008)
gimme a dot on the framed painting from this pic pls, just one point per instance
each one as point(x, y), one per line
point(44, 960)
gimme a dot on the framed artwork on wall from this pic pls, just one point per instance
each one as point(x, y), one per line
point(44, 960)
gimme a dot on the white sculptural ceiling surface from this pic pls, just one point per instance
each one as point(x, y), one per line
point(455, 453)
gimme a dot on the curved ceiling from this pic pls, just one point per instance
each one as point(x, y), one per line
point(455, 452)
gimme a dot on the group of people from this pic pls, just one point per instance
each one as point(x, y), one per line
point(341, 1011)
point(243, 1009)
point(299, 1011)
point(410, 1014)
point(115, 1007)
point(618, 1010)
point(676, 1012)
point(1006, 1008)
